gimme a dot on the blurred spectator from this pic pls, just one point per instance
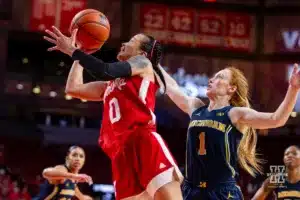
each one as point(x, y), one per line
point(14, 193)
point(35, 185)
point(25, 194)
point(1, 155)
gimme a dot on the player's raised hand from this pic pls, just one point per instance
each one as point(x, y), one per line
point(83, 178)
point(295, 77)
point(62, 43)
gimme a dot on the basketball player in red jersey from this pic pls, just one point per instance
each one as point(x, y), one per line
point(143, 167)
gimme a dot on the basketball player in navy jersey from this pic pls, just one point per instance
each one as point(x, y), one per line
point(290, 189)
point(219, 134)
point(61, 180)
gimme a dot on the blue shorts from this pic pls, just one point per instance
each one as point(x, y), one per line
point(223, 192)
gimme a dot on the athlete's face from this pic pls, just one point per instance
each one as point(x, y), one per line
point(219, 84)
point(291, 157)
point(131, 48)
point(76, 159)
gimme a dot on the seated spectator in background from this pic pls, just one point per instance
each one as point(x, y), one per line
point(14, 193)
point(25, 194)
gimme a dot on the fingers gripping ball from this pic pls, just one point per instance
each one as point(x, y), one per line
point(93, 29)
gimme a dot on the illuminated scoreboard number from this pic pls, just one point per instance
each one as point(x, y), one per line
point(153, 17)
point(181, 20)
point(210, 26)
point(154, 20)
point(181, 26)
point(237, 25)
point(210, 29)
point(238, 28)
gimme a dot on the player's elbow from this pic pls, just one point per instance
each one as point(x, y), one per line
point(280, 123)
point(70, 91)
point(277, 122)
point(73, 92)
point(46, 173)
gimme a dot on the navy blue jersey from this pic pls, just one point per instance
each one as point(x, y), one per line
point(288, 191)
point(53, 191)
point(212, 143)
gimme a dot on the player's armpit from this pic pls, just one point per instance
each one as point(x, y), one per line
point(139, 64)
point(93, 91)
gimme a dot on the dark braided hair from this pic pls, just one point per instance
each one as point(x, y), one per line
point(72, 148)
point(153, 48)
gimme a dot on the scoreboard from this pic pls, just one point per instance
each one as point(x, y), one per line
point(198, 28)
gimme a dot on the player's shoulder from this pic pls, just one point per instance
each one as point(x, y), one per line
point(199, 110)
point(235, 113)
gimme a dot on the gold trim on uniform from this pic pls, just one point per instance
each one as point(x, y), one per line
point(67, 192)
point(208, 123)
point(186, 146)
point(227, 150)
point(284, 194)
point(53, 193)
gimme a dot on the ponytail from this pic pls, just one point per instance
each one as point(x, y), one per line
point(153, 48)
point(247, 155)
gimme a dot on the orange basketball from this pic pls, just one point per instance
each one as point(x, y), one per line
point(93, 29)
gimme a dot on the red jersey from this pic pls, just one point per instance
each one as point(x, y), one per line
point(128, 104)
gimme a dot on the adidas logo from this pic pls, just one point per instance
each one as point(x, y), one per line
point(162, 165)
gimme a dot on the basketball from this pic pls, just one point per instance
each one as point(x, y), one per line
point(93, 29)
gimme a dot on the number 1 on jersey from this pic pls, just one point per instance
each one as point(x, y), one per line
point(202, 150)
point(114, 110)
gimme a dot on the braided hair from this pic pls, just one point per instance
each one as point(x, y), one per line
point(71, 148)
point(153, 48)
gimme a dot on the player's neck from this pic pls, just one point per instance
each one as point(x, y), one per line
point(217, 104)
point(294, 175)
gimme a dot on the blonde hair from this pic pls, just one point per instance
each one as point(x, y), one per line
point(247, 155)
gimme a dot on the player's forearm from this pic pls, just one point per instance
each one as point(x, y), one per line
point(103, 71)
point(259, 197)
point(263, 192)
point(78, 194)
point(175, 94)
point(283, 112)
point(169, 80)
point(51, 173)
point(75, 77)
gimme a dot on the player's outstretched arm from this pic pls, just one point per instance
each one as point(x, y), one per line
point(57, 173)
point(137, 65)
point(60, 172)
point(184, 102)
point(262, 120)
point(75, 87)
point(264, 191)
